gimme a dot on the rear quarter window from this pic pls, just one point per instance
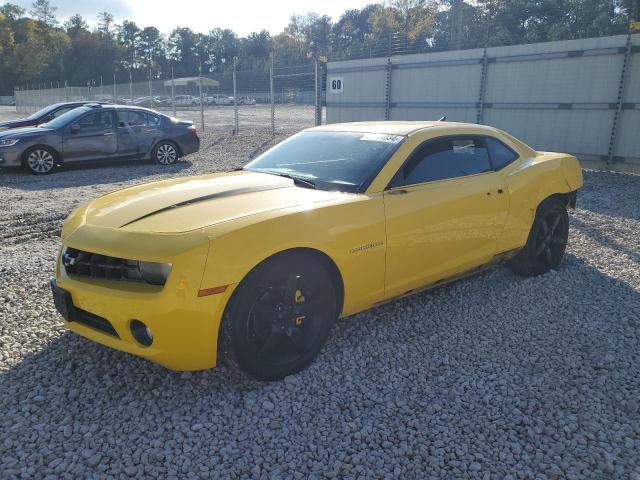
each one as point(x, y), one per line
point(501, 155)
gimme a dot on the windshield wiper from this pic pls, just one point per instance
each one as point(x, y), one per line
point(301, 182)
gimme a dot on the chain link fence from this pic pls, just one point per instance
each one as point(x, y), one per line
point(287, 95)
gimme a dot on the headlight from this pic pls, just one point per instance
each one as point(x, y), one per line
point(154, 273)
point(9, 142)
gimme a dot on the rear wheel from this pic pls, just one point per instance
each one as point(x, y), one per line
point(165, 153)
point(280, 317)
point(547, 240)
point(39, 160)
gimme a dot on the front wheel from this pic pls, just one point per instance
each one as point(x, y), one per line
point(39, 160)
point(280, 317)
point(165, 153)
point(547, 240)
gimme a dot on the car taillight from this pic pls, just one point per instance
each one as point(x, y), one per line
point(193, 129)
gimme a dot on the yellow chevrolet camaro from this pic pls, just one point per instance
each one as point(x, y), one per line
point(255, 265)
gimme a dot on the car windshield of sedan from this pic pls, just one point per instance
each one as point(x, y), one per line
point(42, 112)
point(66, 118)
point(344, 161)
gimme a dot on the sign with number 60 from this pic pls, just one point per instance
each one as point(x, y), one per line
point(336, 84)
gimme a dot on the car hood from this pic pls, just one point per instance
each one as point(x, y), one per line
point(186, 204)
point(15, 123)
point(15, 132)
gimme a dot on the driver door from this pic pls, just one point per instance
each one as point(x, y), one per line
point(91, 137)
point(445, 211)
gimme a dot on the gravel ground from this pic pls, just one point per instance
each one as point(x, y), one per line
point(494, 377)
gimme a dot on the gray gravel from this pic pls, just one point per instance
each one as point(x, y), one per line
point(494, 377)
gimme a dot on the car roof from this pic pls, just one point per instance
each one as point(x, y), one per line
point(111, 106)
point(398, 127)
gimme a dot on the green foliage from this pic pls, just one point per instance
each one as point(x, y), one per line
point(35, 50)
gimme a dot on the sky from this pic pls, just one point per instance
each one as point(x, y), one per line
point(241, 16)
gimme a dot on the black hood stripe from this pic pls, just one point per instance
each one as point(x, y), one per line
point(213, 196)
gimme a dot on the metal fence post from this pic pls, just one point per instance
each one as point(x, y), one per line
point(173, 96)
point(150, 90)
point(318, 111)
point(483, 86)
point(273, 107)
point(387, 91)
point(235, 95)
point(115, 91)
point(201, 104)
point(130, 87)
point(619, 104)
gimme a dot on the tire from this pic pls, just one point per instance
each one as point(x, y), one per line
point(165, 153)
point(547, 240)
point(40, 160)
point(279, 318)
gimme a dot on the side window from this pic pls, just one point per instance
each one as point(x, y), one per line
point(442, 159)
point(154, 120)
point(501, 155)
point(96, 121)
point(61, 111)
point(131, 118)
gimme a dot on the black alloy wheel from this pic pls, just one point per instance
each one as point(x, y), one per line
point(280, 317)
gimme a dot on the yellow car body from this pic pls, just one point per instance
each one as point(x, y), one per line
point(379, 244)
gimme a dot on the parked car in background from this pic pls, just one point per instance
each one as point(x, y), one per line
point(246, 101)
point(43, 115)
point(152, 102)
point(99, 132)
point(186, 101)
point(220, 99)
point(257, 264)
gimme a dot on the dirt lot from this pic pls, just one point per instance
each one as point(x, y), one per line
point(493, 377)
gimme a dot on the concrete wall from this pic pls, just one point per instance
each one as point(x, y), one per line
point(557, 96)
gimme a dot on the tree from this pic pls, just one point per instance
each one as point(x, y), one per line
point(11, 12)
point(258, 47)
point(150, 46)
point(181, 46)
point(44, 12)
point(105, 23)
point(75, 24)
point(129, 35)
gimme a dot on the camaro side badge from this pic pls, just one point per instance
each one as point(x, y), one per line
point(368, 246)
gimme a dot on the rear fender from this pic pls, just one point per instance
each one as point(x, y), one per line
point(529, 184)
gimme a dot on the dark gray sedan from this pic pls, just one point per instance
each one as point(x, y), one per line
point(99, 132)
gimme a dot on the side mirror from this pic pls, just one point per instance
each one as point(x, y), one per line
point(75, 128)
point(121, 124)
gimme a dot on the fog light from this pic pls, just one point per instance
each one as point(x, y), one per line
point(141, 333)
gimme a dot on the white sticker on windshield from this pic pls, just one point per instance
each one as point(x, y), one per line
point(381, 137)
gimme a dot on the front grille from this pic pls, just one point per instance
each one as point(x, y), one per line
point(94, 265)
point(94, 321)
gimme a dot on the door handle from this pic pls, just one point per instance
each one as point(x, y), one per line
point(106, 134)
point(499, 190)
point(398, 192)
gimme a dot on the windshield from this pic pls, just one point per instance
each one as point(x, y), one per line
point(42, 112)
point(345, 161)
point(66, 118)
